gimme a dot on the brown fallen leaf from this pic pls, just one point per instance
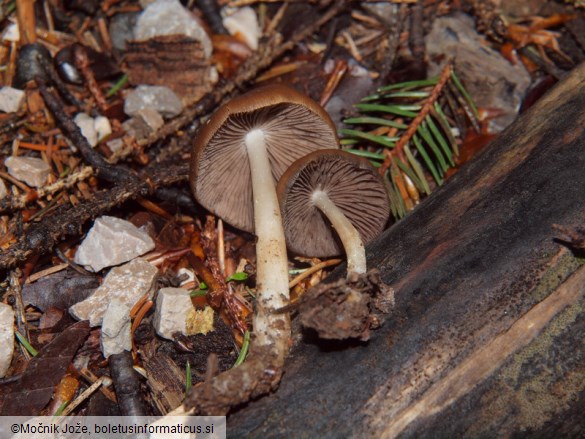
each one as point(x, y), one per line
point(59, 290)
point(32, 392)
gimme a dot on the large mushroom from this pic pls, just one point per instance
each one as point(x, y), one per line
point(238, 156)
point(333, 201)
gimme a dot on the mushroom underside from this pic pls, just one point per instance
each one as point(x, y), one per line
point(356, 192)
point(290, 132)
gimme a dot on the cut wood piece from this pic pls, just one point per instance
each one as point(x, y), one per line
point(486, 339)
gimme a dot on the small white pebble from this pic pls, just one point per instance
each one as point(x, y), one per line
point(11, 33)
point(3, 190)
point(33, 171)
point(244, 24)
point(11, 99)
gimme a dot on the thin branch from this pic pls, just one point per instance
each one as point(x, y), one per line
point(67, 221)
point(71, 130)
point(413, 126)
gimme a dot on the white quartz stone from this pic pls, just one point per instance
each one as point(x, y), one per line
point(31, 170)
point(85, 124)
point(112, 241)
point(169, 17)
point(172, 309)
point(11, 33)
point(11, 99)
point(116, 335)
point(243, 23)
point(102, 127)
point(126, 284)
point(92, 129)
point(151, 118)
point(155, 97)
point(6, 337)
point(3, 190)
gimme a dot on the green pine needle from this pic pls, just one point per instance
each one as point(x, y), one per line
point(464, 92)
point(117, 86)
point(391, 109)
point(365, 120)
point(23, 341)
point(367, 154)
point(386, 141)
point(188, 377)
point(430, 152)
point(409, 85)
point(244, 350)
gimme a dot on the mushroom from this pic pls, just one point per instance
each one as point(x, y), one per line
point(238, 156)
point(335, 188)
point(331, 187)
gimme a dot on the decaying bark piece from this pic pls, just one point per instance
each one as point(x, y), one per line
point(486, 338)
point(174, 61)
point(347, 308)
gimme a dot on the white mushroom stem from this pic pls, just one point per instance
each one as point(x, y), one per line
point(272, 262)
point(350, 237)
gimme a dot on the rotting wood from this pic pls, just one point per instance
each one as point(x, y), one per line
point(476, 266)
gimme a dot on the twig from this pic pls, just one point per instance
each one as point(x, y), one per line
point(81, 61)
point(42, 236)
point(51, 270)
point(91, 378)
point(416, 38)
point(86, 394)
point(413, 126)
point(212, 16)
point(220, 246)
point(9, 204)
point(127, 385)
point(333, 82)
point(15, 290)
point(25, 11)
point(315, 268)
point(104, 169)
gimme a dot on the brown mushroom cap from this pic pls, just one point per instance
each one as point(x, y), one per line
point(351, 182)
point(294, 126)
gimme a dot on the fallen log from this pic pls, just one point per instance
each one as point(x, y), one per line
point(486, 339)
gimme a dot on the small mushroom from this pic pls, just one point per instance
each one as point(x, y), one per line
point(335, 188)
point(331, 187)
point(237, 158)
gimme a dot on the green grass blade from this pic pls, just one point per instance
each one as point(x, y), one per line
point(244, 350)
point(188, 377)
point(23, 341)
point(117, 86)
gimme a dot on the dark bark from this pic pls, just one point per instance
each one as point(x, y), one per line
point(486, 339)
